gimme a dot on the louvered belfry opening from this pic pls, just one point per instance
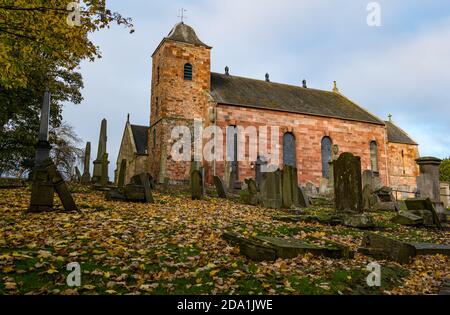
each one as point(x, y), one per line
point(188, 72)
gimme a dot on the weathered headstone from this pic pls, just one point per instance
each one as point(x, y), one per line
point(220, 188)
point(324, 187)
point(47, 180)
point(271, 190)
point(347, 184)
point(98, 163)
point(381, 247)
point(424, 204)
point(86, 178)
point(196, 185)
point(147, 189)
point(367, 198)
point(136, 180)
point(367, 179)
point(289, 187)
point(311, 188)
point(303, 200)
point(252, 197)
point(428, 183)
point(122, 174)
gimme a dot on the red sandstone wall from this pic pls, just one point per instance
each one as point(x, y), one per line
point(351, 136)
point(403, 168)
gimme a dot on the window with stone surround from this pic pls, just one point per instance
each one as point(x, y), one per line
point(374, 156)
point(158, 75)
point(326, 156)
point(188, 72)
point(289, 150)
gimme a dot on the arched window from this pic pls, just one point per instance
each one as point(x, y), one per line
point(188, 72)
point(374, 156)
point(289, 150)
point(326, 156)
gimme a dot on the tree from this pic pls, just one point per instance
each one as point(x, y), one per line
point(35, 34)
point(445, 170)
point(65, 151)
point(38, 48)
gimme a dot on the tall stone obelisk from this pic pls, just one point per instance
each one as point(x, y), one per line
point(43, 146)
point(97, 174)
point(86, 178)
point(42, 190)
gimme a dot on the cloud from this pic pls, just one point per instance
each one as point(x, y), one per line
point(400, 68)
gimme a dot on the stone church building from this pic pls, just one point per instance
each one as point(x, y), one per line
point(311, 122)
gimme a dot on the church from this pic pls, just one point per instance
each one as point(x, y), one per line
point(312, 125)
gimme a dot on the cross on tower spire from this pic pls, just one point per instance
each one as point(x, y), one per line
point(182, 16)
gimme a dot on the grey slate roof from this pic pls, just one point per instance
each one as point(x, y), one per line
point(233, 90)
point(140, 135)
point(186, 34)
point(397, 135)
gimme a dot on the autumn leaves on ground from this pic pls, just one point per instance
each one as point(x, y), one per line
point(175, 247)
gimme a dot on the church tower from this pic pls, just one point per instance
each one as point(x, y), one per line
point(181, 82)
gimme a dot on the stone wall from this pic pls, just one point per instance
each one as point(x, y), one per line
point(403, 169)
point(136, 164)
point(351, 136)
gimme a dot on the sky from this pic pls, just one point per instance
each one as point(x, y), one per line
point(401, 67)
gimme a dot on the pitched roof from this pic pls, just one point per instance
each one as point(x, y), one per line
point(184, 33)
point(397, 135)
point(140, 136)
point(233, 90)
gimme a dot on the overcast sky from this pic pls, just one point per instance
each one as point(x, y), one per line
point(401, 67)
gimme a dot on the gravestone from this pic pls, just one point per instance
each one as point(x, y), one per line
point(46, 181)
point(381, 247)
point(220, 188)
point(104, 179)
point(311, 188)
point(86, 178)
point(367, 198)
point(136, 180)
point(347, 184)
point(289, 187)
point(250, 195)
point(428, 183)
point(303, 200)
point(367, 179)
point(122, 173)
point(98, 163)
point(271, 190)
point(147, 188)
point(259, 164)
point(324, 187)
point(196, 185)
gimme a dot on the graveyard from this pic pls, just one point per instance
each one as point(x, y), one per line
point(185, 241)
point(223, 184)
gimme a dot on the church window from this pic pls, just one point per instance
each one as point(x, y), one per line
point(188, 72)
point(326, 156)
point(154, 138)
point(289, 150)
point(156, 106)
point(374, 156)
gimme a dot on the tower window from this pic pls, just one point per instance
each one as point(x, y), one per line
point(157, 107)
point(188, 72)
